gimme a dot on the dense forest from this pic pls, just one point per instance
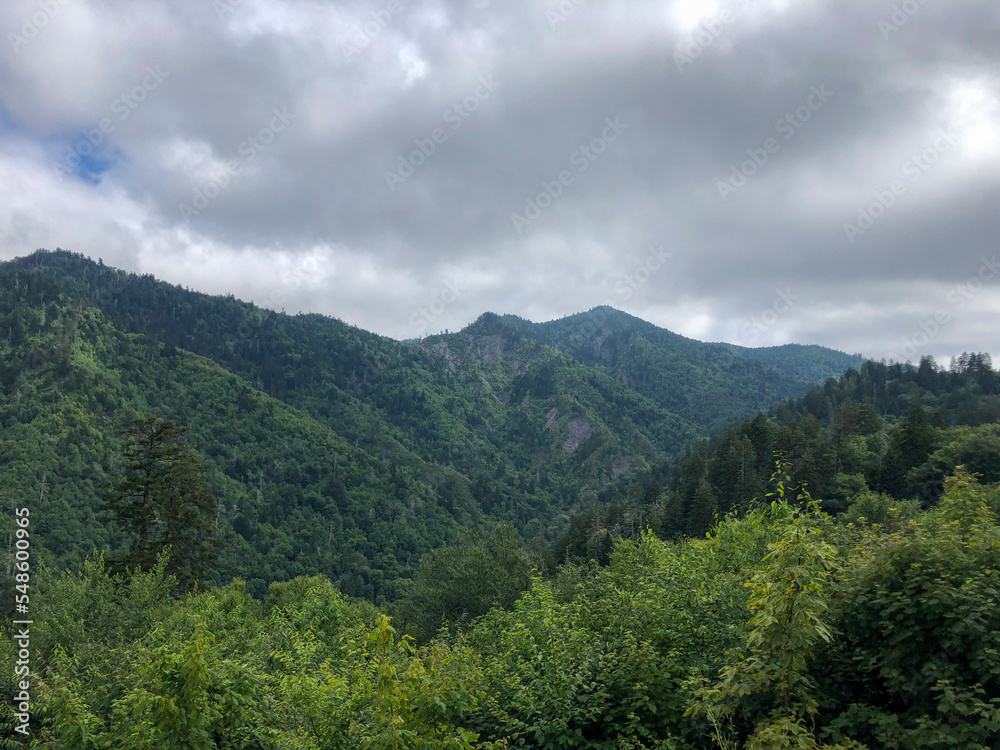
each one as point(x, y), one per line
point(880, 434)
point(255, 530)
point(332, 450)
point(782, 628)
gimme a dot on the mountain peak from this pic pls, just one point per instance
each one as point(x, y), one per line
point(487, 324)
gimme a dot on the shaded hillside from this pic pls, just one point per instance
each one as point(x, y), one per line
point(333, 449)
point(384, 396)
point(708, 384)
point(884, 436)
point(295, 496)
point(565, 419)
point(806, 363)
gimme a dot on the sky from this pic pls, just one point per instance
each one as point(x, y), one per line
point(753, 171)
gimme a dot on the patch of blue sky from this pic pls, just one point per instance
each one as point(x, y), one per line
point(84, 153)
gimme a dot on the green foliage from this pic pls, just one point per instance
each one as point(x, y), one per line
point(163, 503)
point(920, 627)
point(455, 585)
point(781, 629)
point(91, 610)
point(215, 670)
point(789, 605)
point(186, 695)
point(603, 662)
point(677, 610)
point(893, 430)
point(870, 508)
point(976, 448)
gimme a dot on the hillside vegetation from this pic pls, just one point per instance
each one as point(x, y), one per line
point(331, 450)
point(255, 531)
point(781, 629)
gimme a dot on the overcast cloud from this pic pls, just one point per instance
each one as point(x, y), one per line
point(754, 171)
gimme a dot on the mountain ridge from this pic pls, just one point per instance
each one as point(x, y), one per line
point(506, 421)
point(645, 357)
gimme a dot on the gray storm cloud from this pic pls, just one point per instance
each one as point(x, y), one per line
point(813, 171)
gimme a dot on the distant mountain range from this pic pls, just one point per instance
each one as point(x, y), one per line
point(336, 450)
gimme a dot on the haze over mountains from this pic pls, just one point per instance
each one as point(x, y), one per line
point(336, 450)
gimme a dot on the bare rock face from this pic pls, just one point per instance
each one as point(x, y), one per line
point(490, 350)
point(441, 349)
point(620, 466)
point(579, 430)
point(550, 418)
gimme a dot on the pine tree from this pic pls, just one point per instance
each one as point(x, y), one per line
point(704, 509)
point(918, 436)
point(163, 502)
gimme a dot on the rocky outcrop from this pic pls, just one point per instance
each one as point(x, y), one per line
point(579, 430)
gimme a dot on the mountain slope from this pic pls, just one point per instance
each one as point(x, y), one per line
point(809, 364)
point(379, 393)
point(708, 384)
point(332, 449)
point(568, 419)
point(295, 497)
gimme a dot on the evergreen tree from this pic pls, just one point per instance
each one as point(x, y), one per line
point(679, 518)
point(704, 509)
point(731, 471)
point(918, 436)
point(762, 437)
point(927, 374)
point(163, 503)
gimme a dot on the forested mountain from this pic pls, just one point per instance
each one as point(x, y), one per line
point(878, 436)
point(516, 535)
point(332, 449)
point(295, 497)
point(799, 361)
point(709, 384)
